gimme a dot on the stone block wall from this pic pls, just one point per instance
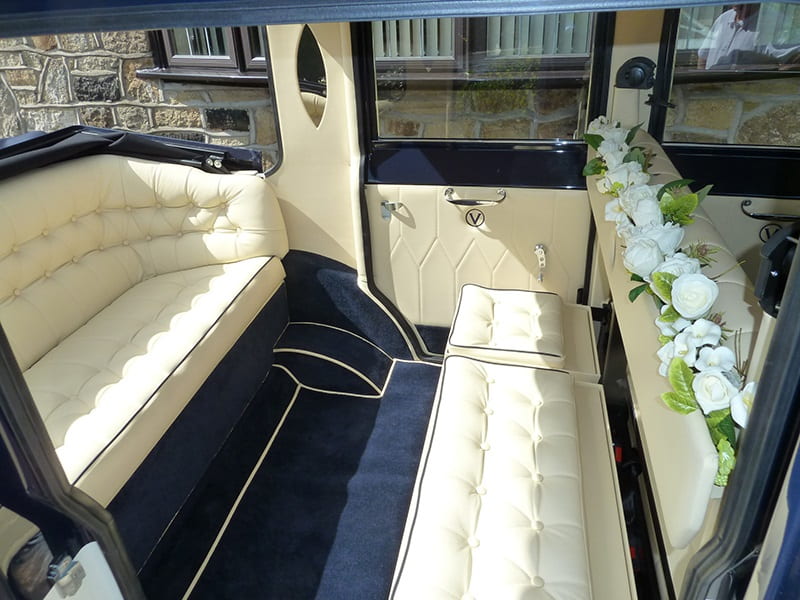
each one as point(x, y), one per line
point(760, 112)
point(50, 82)
point(423, 111)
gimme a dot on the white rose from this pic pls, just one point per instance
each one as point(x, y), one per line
point(679, 264)
point(742, 404)
point(632, 195)
point(685, 348)
point(621, 177)
point(602, 125)
point(665, 354)
point(674, 328)
point(713, 390)
point(720, 358)
point(693, 294)
point(647, 212)
point(705, 332)
point(668, 236)
point(624, 227)
point(642, 256)
point(612, 153)
point(614, 210)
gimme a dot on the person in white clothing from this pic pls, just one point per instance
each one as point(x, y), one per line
point(734, 30)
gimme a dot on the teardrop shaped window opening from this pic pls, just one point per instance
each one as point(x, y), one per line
point(311, 76)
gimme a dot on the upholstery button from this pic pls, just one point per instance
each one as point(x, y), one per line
point(125, 242)
point(538, 477)
point(180, 234)
point(490, 380)
point(15, 248)
point(101, 247)
point(159, 205)
point(537, 581)
point(488, 410)
point(75, 259)
point(539, 437)
point(17, 292)
point(538, 525)
point(148, 237)
point(73, 218)
point(47, 274)
point(98, 210)
point(45, 233)
point(128, 208)
point(485, 446)
point(480, 490)
point(473, 541)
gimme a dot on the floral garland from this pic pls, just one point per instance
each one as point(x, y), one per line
point(650, 219)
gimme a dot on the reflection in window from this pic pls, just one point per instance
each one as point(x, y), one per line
point(198, 41)
point(737, 76)
point(521, 77)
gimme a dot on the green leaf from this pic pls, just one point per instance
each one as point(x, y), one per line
point(632, 133)
point(635, 277)
point(637, 291)
point(593, 139)
point(637, 155)
point(676, 403)
point(665, 339)
point(596, 166)
point(678, 183)
point(663, 281)
point(727, 461)
point(703, 193)
point(679, 210)
point(680, 378)
point(720, 425)
point(670, 315)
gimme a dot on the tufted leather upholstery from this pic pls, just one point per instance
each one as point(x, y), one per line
point(497, 511)
point(513, 326)
point(123, 283)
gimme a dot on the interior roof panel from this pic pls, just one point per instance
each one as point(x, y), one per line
point(36, 17)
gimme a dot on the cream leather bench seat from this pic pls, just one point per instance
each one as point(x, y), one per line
point(525, 328)
point(499, 511)
point(123, 283)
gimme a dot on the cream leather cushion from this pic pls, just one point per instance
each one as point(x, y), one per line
point(77, 235)
point(511, 326)
point(497, 510)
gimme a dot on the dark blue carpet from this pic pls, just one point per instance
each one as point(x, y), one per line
point(322, 374)
point(324, 515)
point(339, 345)
point(322, 290)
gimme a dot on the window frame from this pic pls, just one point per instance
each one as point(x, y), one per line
point(242, 67)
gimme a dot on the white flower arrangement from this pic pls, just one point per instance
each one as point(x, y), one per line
point(649, 219)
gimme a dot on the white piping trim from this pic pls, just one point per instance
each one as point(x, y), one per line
point(333, 392)
point(362, 338)
point(419, 362)
point(331, 360)
point(239, 498)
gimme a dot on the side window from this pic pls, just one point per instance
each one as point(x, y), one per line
point(737, 75)
point(490, 78)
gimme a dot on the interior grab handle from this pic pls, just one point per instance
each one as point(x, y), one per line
point(448, 195)
point(766, 216)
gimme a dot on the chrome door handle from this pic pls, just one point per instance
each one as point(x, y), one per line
point(448, 195)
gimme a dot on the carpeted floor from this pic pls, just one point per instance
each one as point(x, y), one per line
point(323, 515)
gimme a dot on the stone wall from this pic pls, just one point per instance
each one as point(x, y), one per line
point(50, 82)
point(423, 111)
point(765, 111)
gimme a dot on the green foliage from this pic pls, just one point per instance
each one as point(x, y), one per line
point(679, 209)
point(637, 291)
point(673, 185)
point(663, 281)
point(727, 461)
point(665, 339)
point(670, 315)
point(632, 134)
point(638, 155)
point(701, 194)
point(593, 139)
point(720, 425)
point(596, 166)
point(680, 378)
